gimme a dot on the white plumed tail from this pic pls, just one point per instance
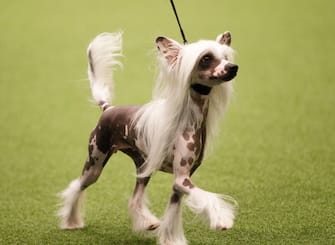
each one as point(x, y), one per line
point(102, 54)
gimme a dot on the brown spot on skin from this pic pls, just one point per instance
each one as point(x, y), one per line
point(186, 136)
point(183, 162)
point(190, 161)
point(196, 136)
point(191, 146)
point(188, 183)
point(90, 148)
point(175, 198)
point(90, 160)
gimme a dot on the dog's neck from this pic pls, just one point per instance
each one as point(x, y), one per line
point(201, 99)
point(201, 89)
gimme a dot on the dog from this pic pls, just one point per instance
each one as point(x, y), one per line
point(170, 133)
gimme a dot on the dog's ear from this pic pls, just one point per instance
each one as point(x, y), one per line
point(224, 38)
point(168, 48)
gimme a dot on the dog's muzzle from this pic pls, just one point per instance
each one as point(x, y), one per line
point(231, 70)
point(228, 73)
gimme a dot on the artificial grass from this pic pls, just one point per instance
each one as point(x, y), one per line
point(275, 154)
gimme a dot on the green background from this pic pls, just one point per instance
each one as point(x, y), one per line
point(275, 154)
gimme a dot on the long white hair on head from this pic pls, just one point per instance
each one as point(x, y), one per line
point(159, 122)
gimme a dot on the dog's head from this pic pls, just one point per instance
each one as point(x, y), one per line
point(207, 63)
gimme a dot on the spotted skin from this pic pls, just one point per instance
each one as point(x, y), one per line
point(115, 132)
point(191, 146)
point(192, 141)
point(183, 162)
point(186, 136)
point(187, 183)
point(175, 198)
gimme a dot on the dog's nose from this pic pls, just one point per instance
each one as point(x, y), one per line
point(231, 68)
point(225, 72)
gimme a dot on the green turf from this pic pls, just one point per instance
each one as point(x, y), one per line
point(276, 152)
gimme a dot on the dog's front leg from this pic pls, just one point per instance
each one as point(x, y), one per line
point(217, 212)
point(171, 230)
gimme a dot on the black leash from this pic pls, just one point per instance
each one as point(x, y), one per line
point(180, 28)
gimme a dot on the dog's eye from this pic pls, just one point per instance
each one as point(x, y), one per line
point(205, 61)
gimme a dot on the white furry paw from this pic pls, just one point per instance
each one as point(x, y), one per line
point(72, 223)
point(170, 236)
point(171, 231)
point(213, 208)
point(172, 242)
point(70, 211)
point(145, 223)
point(142, 218)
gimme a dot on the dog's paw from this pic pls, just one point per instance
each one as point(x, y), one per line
point(72, 225)
point(223, 226)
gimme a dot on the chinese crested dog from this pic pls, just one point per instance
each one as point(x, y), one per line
point(170, 133)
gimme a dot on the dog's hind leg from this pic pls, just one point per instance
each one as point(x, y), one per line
point(142, 218)
point(70, 212)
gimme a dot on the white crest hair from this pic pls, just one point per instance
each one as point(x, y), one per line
point(159, 122)
point(102, 53)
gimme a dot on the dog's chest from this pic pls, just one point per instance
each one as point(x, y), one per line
point(187, 150)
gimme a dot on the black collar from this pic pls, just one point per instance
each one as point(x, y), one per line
point(201, 89)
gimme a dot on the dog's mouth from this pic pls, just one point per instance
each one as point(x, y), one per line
point(228, 74)
point(201, 89)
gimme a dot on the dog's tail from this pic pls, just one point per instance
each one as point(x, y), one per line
point(102, 54)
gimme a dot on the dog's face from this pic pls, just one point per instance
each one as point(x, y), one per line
point(213, 64)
